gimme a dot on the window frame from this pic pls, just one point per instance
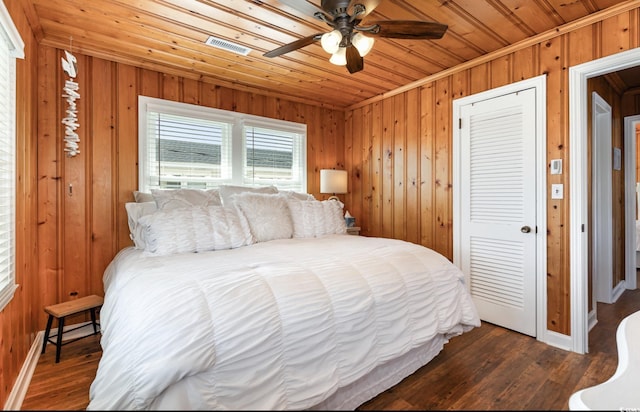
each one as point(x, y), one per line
point(238, 122)
point(15, 50)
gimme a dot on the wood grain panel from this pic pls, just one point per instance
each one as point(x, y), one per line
point(412, 167)
point(376, 171)
point(387, 167)
point(103, 240)
point(427, 166)
point(355, 150)
point(67, 233)
point(75, 192)
point(168, 36)
point(617, 34)
point(126, 156)
point(349, 136)
point(552, 64)
point(398, 126)
point(552, 57)
point(366, 174)
point(501, 70)
point(582, 46)
point(91, 220)
point(480, 78)
point(17, 319)
point(442, 155)
point(525, 64)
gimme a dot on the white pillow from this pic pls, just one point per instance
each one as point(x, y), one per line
point(141, 197)
point(175, 198)
point(297, 195)
point(134, 212)
point(268, 215)
point(194, 229)
point(313, 218)
point(227, 191)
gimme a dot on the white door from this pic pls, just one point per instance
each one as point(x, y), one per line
point(602, 202)
point(498, 208)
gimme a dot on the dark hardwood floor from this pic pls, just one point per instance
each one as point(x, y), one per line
point(488, 368)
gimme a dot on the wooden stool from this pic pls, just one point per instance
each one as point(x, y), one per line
point(62, 310)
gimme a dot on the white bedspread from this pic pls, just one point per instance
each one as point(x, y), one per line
point(275, 325)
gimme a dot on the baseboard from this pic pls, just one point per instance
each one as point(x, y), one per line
point(558, 340)
point(14, 401)
point(618, 291)
point(593, 319)
point(20, 387)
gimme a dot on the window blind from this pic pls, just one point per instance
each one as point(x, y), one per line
point(6, 168)
point(184, 145)
point(11, 46)
point(272, 157)
point(187, 151)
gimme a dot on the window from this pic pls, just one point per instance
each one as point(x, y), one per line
point(188, 146)
point(11, 47)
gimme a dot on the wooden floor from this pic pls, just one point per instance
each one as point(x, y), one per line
point(487, 368)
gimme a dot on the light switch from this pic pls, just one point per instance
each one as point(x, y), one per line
point(557, 191)
point(556, 167)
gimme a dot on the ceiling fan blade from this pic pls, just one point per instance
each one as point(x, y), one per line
point(369, 5)
point(298, 44)
point(355, 62)
point(406, 29)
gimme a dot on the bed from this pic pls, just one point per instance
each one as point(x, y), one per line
point(267, 318)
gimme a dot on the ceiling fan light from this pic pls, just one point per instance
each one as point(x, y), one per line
point(363, 43)
point(331, 41)
point(339, 58)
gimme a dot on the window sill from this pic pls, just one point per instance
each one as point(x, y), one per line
point(6, 294)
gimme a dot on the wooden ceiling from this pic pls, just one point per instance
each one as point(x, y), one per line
point(169, 36)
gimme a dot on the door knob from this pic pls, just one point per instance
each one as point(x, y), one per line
point(525, 229)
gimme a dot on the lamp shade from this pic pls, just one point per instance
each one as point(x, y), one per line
point(339, 58)
point(333, 181)
point(363, 43)
point(331, 41)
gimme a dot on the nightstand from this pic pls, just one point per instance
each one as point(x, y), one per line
point(354, 230)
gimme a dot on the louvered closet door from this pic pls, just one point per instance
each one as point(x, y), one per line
point(498, 208)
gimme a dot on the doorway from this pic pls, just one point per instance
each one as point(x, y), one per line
point(578, 76)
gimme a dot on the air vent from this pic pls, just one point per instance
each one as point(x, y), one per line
point(227, 45)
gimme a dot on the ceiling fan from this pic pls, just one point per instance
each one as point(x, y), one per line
point(347, 42)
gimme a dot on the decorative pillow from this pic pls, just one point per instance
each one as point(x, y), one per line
point(141, 197)
point(268, 215)
point(227, 191)
point(297, 195)
point(313, 218)
point(194, 229)
point(176, 198)
point(134, 212)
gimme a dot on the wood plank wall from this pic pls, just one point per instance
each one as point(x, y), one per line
point(83, 222)
point(17, 323)
point(71, 216)
point(399, 148)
